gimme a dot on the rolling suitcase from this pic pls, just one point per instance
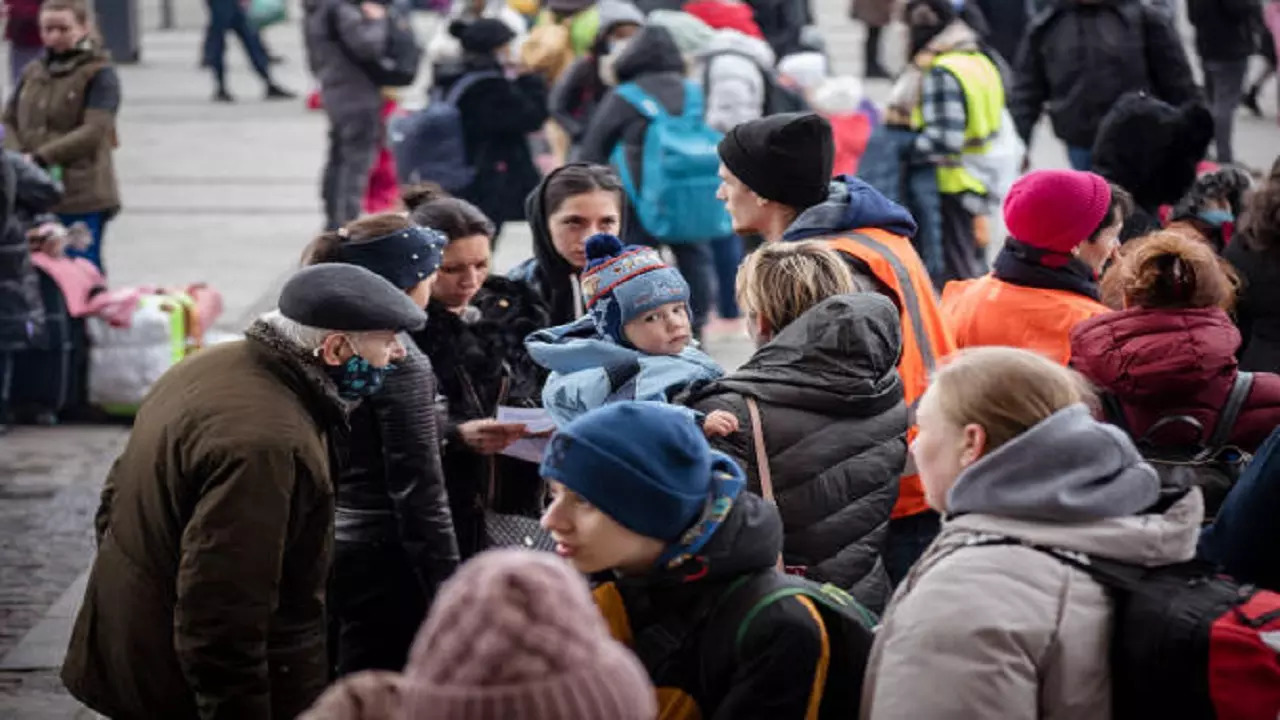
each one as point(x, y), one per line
point(48, 383)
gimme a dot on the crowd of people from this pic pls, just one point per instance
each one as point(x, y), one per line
point(417, 488)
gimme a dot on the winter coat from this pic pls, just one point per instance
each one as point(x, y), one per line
point(1257, 306)
point(875, 13)
point(835, 426)
point(1244, 535)
point(23, 26)
point(336, 33)
point(785, 644)
point(1007, 22)
point(578, 91)
point(25, 191)
point(783, 23)
point(721, 15)
point(1161, 363)
point(392, 489)
point(498, 142)
point(735, 71)
point(480, 362)
point(583, 364)
point(1009, 631)
point(215, 532)
point(885, 166)
point(1225, 29)
point(63, 114)
point(1080, 57)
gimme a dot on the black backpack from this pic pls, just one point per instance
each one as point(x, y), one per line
point(398, 64)
point(1209, 464)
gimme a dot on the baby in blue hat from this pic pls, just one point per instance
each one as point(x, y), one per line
point(635, 342)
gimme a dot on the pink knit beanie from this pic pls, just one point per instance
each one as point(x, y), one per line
point(514, 635)
point(1056, 210)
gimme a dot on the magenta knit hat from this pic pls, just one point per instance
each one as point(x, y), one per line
point(514, 635)
point(1056, 210)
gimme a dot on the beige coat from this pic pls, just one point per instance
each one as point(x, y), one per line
point(1010, 632)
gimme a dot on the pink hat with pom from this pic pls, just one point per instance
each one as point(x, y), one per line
point(514, 635)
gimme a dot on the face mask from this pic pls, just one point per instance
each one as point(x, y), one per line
point(356, 378)
point(1216, 218)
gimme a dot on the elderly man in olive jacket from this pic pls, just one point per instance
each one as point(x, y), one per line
point(207, 596)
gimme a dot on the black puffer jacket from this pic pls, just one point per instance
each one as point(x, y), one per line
point(835, 429)
point(1258, 308)
point(392, 486)
point(25, 192)
point(1225, 29)
point(1081, 56)
point(481, 363)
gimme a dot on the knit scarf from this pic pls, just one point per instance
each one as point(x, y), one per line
point(1021, 264)
point(907, 91)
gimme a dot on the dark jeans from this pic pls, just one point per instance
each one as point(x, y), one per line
point(97, 224)
point(353, 146)
point(1081, 158)
point(377, 605)
point(1224, 83)
point(694, 261)
point(727, 256)
point(908, 538)
point(229, 16)
point(962, 258)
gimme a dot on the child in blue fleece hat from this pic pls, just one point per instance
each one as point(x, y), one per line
point(634, 343)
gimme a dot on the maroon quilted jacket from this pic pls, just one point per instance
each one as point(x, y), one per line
point(1174, 362)
point(24, 22)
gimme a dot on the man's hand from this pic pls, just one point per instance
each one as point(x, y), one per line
point(488, 436)
point(720, 423)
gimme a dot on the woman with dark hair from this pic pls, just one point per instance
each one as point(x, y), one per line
point(475, 338)
point(1256, 256)
point(395, 541)
point(570, 205)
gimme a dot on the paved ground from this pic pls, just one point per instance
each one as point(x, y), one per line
point(226, 195)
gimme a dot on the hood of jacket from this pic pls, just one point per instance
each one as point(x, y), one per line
point(732, 41)
point(839, 357)
point(1096, 474)
point(653, 50)
point(748, 540)
point(851, 204)
point(617, 12)
point(578, 346)
point(738, 17)
point(1149, 355)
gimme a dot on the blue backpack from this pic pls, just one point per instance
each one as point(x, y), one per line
point(677, 203)
point(430, 145)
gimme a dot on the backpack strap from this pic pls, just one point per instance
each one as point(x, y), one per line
point(464, 83)
point(1111, 574)
point(1113, 411)
point(693, 102)
point(1231, 410)
point(640, 100)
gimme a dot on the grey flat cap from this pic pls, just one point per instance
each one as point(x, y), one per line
point(337, 296)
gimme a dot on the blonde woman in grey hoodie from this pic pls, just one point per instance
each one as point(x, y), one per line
point(1008, 448)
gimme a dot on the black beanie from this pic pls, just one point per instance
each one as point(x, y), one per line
point(482, 36)
point(786, 158)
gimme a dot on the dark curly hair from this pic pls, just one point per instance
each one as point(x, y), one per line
point(1261, 222)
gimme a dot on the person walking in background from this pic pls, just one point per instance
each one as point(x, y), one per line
point(580, 89)
point(22, 32)
point(1266, 48)
point(497, 143)
point(1256, 257)
point(1081, 56)
point(231, 16)
point(1225, 40)
point(513, 635)
point(1063, 229)
point(395, 542)
point(63, 115)
point(444, 51)
point(339, 35)
point(1009, 450)
point(876, 15)
point(215, 530)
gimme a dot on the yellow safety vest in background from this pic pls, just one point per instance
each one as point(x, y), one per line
point(984, 104)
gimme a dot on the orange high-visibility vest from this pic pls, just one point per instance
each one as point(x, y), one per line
point(988, 311)
point(926, 339)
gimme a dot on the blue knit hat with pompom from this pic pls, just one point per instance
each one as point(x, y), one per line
point(622, 282)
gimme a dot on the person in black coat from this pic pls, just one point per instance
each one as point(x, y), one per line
point(1225, 39)
point(831, 408)
point(476, 326)
point(783, 23)
point(1255, 253)
point(497, 116)
point(654, 63)
point(394, 533)
point(1080, 56)
point(580, 89)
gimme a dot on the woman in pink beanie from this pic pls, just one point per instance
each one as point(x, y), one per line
point(1064, 227)
point(514, 635)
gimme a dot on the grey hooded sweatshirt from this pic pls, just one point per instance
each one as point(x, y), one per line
point(1005, 631)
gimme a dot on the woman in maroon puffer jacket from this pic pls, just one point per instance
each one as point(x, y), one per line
point(1172, 351)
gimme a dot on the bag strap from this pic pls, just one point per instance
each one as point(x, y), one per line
point(464, 83)
point(1231, 410)
point(1111, 574)
point(762, 455)
point(640, 100)
point(1113, 411)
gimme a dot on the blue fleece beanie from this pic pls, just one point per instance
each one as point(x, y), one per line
point(648, 466)
point(622, 283)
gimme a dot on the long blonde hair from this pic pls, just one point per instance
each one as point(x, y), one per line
point(780, 281)
point(1005, 390)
